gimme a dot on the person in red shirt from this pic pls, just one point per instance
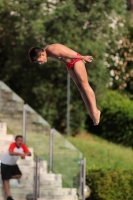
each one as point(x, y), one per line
point(75, 64)
point(9, 167)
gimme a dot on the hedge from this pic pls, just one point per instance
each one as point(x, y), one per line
point(116, 123)
point(110, 185)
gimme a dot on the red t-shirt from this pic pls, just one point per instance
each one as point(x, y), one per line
point(8, 159)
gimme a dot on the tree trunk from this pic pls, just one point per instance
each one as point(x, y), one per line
point(130, 5)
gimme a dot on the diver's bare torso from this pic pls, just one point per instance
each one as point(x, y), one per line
point(49, 50)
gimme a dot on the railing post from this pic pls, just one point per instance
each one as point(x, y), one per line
point(35, 180)
point(51, 151)
point(36, 187)
point(68, 106)
point(84, 175)
point(82, 179)
point(24, 123)
point(0, 95)
point(38, 178)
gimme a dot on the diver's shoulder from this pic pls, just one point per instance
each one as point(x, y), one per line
point(53, 46)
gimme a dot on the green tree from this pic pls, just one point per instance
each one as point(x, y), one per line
point(120, 61)
point(85, 26)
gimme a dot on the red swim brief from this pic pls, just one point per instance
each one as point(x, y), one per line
point(73, 61)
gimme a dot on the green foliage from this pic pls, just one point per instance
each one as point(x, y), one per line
point(80, 25)
point(122, 76)
point(102, 153)
point(117, 119)
point(119, 59)
point(110, 185)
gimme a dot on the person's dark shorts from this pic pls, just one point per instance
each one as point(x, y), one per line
point(7, 171)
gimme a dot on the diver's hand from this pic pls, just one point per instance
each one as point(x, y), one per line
point(87, 59)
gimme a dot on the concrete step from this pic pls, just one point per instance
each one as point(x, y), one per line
point(3, 128)
point(43, 172)
point(7, 137)
point(24, 169)
point(27, 181)
point(25, 162)
point(46, 180)
point(43, 163)
point(4, 144)
point(18, 192)
point(58, 191)
point(43, 176)
point(27, 166)
point(58, 197)
point(51, 184)
point(11, 105)
point(3, 198)
point(49, 193)
point(51, 177)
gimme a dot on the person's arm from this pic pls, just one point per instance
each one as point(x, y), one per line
point(23, 154)
point(84, 58)
point(11, 150)
point(28, 154)
point(26, 150)
point(62, 54)
point(12, 153)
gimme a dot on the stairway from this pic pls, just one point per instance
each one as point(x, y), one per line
point(11, 112)
point(50, 184)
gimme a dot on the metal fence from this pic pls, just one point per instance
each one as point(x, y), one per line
point(62, 157)
point(66, 159)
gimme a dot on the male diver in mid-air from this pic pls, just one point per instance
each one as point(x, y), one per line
point(75, 63)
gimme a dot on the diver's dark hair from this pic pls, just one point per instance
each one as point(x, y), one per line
point(18, 136)
point(35, 53)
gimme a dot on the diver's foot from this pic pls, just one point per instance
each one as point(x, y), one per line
point(96, 117)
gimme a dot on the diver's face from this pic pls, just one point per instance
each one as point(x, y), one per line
point(43, 58)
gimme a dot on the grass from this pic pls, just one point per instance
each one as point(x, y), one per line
point(40, 144)
point(101, 153)
point(65, 159)
point(98, 152)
